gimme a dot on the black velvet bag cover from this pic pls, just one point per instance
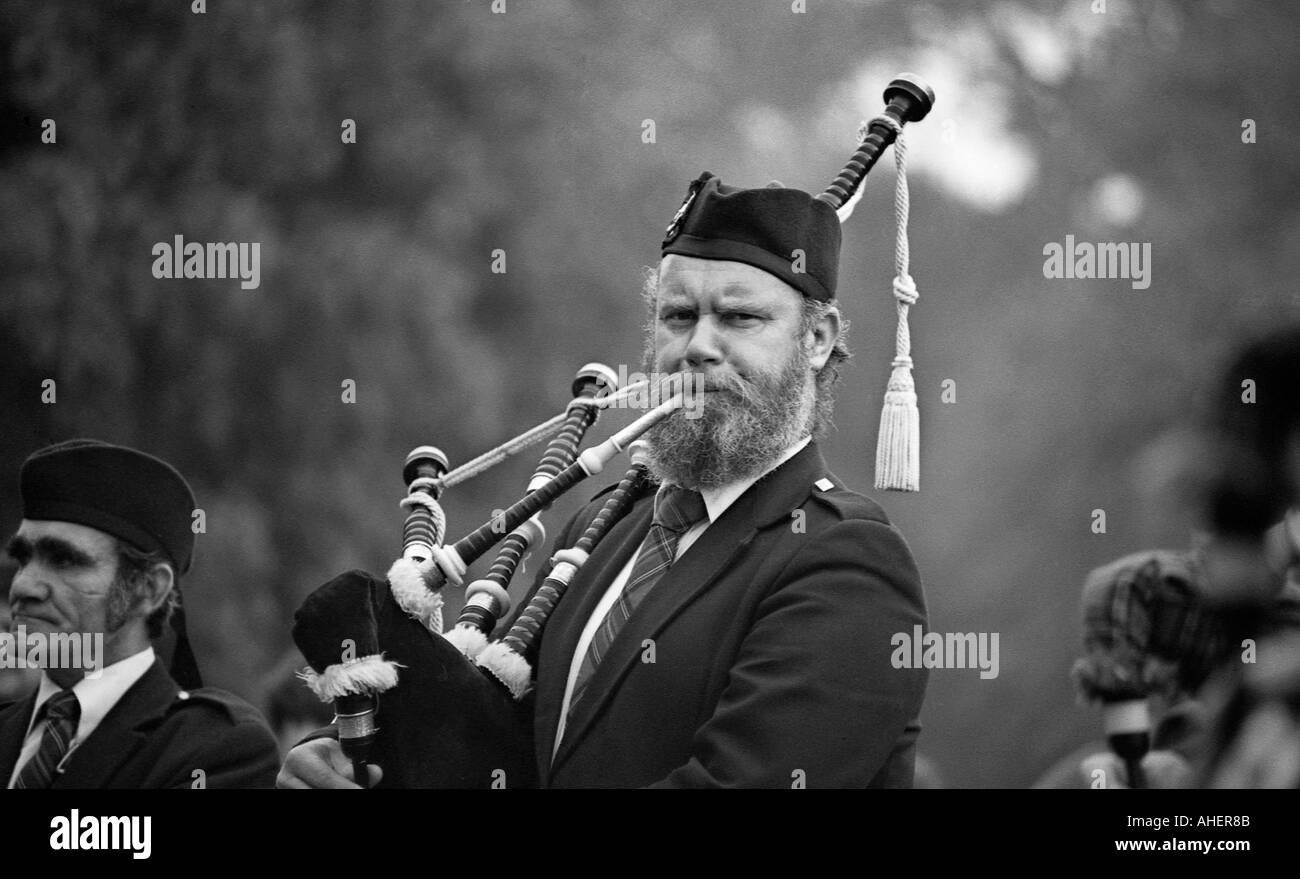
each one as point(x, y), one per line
point(447, 723)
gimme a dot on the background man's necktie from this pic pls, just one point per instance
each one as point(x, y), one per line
point(62, 712)
point(676, 510)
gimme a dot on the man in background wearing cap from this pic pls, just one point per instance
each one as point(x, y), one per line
point(104, 540)
point(767, 594)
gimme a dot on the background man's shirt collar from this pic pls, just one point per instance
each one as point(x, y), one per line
point(99, 694)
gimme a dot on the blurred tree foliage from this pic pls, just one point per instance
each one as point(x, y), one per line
point(523, 132)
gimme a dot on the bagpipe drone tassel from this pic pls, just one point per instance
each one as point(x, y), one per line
point(898, 448)
point(908, 98)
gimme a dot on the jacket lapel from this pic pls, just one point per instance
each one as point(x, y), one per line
point(565, 626)
point(769, 500)
point(121, 733)
point(13, 730)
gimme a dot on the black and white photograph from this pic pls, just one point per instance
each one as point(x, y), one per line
point(748, 394)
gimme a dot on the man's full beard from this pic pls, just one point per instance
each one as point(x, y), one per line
point(738, 432)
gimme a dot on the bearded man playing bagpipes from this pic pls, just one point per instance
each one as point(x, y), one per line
point(732, 623)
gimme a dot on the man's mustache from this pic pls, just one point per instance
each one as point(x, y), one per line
point(26, 614)
point(727, 383)
point(738, 390)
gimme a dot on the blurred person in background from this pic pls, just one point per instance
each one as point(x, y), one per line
point(103, 543)
point(1235, 721)
point(1252, 560)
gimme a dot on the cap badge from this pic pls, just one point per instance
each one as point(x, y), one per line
point(675, 226)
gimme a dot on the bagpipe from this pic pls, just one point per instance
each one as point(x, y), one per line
point(452, 709)
point(452, 722)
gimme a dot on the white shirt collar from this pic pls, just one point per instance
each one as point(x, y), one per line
point(99, 694)
point(716, 500)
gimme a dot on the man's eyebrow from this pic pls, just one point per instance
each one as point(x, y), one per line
point(743, 294)
point(670, 300)
point(747, 305)
point(18, 547)
point(58, 548)
point(736, 296)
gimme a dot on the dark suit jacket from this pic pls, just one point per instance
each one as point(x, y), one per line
point(771, 650)
point(156, 736)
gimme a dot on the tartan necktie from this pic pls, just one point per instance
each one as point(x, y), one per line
point(676, 510)
point(62, 712)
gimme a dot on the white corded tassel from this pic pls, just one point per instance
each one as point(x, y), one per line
point(898, 459)
point(898, 448)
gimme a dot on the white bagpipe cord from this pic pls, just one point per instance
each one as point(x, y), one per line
point(898, 448)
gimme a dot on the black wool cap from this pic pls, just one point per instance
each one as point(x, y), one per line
point(123, 492)
point(762, 228)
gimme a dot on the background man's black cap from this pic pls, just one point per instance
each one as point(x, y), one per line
point(120, 491)
point(762, 228)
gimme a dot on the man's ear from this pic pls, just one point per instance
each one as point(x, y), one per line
point(821, 339)
point(158, 584)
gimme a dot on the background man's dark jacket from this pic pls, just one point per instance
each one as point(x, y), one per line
point(771, 645)
point(157, 736)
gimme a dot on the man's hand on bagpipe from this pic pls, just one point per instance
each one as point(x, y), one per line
point(321, 763)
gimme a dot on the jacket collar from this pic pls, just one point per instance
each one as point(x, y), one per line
point(717, 500)
point(122, 731)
